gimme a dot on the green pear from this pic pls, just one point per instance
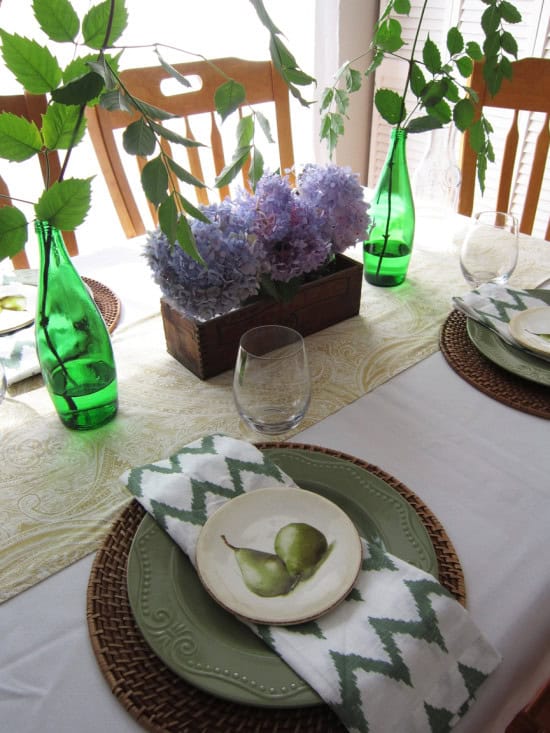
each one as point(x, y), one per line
point(265, 574)
point(302, 548)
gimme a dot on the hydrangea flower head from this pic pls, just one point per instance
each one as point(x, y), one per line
point(232, 270)
point(336, 195)
point(287, 236)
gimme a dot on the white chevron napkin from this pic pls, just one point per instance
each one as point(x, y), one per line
point(494, 305)
point(398, 655)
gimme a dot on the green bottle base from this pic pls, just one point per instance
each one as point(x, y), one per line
point(89, 419)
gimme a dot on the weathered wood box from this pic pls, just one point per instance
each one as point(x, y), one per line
point(210, 347)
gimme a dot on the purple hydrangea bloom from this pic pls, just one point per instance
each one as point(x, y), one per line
point(336, 195)
point(232, 270)
point(287, 235)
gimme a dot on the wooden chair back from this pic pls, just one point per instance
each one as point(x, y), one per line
point(263, 84)
point(528, 90)
point(32, 107)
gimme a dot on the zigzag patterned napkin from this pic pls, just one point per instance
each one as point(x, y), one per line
point(399, 655)
point(494, 305)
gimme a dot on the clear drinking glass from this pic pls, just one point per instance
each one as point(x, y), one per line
point(272, 384)
point(489, 251)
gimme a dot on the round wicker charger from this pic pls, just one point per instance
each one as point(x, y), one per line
point(486, 376)
point(163, 702)
point(106, 301)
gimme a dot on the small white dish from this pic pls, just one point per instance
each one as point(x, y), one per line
point(13, 320)
point(253, 521)
point(531, 329)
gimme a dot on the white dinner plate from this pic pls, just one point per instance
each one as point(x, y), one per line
point(531, 329)
point(13, 320)
point(249, 572)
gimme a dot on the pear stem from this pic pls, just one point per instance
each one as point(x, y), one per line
point(232, 547)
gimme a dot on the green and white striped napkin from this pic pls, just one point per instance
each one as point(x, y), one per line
point(398, 655)
point(494, 305)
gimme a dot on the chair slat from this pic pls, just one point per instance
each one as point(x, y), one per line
point(519, 93)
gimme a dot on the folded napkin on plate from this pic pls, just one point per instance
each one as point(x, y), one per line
point(17, 348)
point(494, 305)
point(399, 654)
point(18, 354)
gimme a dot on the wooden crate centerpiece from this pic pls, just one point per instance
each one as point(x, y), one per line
point(210, 347)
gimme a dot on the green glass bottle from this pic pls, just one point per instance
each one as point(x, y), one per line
point(388, 246)
point(72, 341)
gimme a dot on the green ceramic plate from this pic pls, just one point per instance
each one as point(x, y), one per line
point(514, 360)
point(207, 646)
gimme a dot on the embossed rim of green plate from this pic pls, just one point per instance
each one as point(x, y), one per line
point(513, 360)
point(207, 646)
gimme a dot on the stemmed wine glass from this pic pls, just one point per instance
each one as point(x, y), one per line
point(272, 384)
point(489, 251)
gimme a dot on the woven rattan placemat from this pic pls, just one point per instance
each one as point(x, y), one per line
point(486, 376)
point(163, 702)
point(107, 302)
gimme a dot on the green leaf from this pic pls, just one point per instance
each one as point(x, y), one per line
point(509, 44)
point(423, 124)
point(256, 168)
point(265, 126)
point(282, 292)
point(174, 73)
point(231, 171)
point(173, 137)
point(431, 56)
point(452, 93)
point(139, 139)
point(65, 204)
point(326, 99)
point(390, 105)
point(33, 65)
point(441, 111)
point(186, 240)
point(509, 12)
point(190, 208)
point(184, 175)
point(477, 137)
point(154, 181)
point(94, 25)
point(463, 114)
point(342, 101)
point(455, 41)
point(20, 138)
point(80, 91)
point(506, 68)
point(245, 131)
point(474, 51)
point(105, 67)
point(264, 17)
point(148, 110)
point(13, 231)
point(57, 18)
point(490, 20)
point(434, 92)
point(59, 125)
point(388, 36)
point(353, 80)
point(418, 80)
point(168, 218)
point(402, 7)
point(116, 100)
point(491, 46)
point(465, 66)
point(228, 97)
